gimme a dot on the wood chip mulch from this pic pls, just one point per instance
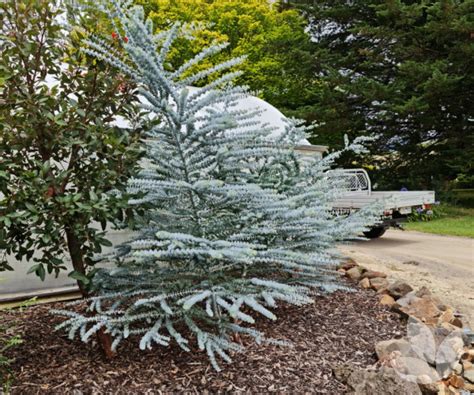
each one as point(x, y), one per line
point(337, 329)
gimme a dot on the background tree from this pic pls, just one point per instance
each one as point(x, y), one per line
point(60, 154)
point(279, 66)
point(404, 70)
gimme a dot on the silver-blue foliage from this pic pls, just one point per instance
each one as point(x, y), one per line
point(239, 223)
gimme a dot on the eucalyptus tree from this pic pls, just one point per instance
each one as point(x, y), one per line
point(238, 222)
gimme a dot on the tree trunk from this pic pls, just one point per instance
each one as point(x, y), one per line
point(77, 259)
point(105, 342)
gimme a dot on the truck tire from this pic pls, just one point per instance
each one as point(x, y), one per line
point(375, 232)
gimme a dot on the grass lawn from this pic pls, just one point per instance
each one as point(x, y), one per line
point(453, 221)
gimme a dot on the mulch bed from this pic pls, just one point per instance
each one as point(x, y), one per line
point(337, 329)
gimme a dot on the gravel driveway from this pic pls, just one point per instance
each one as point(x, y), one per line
point(445, 264)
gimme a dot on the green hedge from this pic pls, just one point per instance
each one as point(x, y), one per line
point(463, 197)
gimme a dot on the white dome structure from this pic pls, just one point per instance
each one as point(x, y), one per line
point(269, 115)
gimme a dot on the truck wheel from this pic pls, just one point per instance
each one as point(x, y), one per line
point(375, 232)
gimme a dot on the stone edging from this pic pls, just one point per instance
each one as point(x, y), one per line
point(397, 355)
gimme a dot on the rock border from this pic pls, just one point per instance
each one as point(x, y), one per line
point(418, 306)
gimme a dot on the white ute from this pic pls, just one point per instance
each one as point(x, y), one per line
point(396, 205)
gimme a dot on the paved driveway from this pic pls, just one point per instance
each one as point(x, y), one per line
point(444, 264)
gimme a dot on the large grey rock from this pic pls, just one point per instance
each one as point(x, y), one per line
point(422, 340)
point(447, 354)
point(437, 346)
point(415, 370)
point(394, 348)
point(369, 382)
point(407, 356)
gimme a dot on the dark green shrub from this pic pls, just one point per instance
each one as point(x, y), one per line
point(61, 153)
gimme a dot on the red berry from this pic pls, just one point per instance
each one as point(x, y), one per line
point(125, 39)
point(114, 35)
